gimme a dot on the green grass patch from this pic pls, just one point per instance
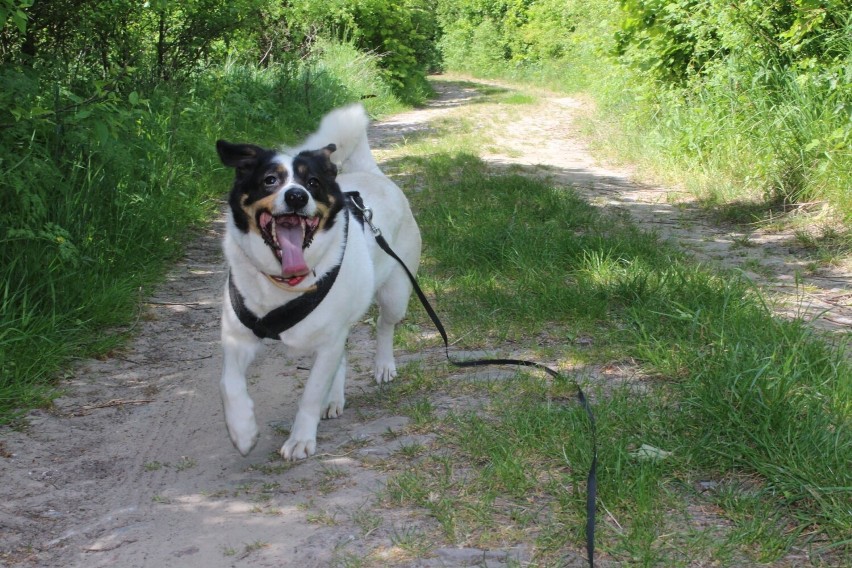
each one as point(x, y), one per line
point(732, 393)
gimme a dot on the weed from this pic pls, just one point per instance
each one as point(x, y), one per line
point(185, 463)
point(254, 547)
point(412, 450)
point(348, 560)
point(421, 412)
point(366, 521)
point(742, 242)
point(412, 541)
point(330, 476)
point(322, 518)
point(754, 265)
point(276, 466)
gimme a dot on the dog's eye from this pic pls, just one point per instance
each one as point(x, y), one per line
point(270, 180)
point(313, 182)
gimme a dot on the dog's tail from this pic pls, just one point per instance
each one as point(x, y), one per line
point(346, 128)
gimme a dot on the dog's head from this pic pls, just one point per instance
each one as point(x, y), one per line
point(282, 202)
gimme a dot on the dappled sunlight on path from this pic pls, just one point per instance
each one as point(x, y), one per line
point(544, 139)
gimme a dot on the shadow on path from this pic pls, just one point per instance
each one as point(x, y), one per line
point(543, 140)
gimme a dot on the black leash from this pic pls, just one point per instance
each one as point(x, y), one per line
point(591, 480)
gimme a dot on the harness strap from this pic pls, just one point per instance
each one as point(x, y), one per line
point(591, 480)
point(282, 318)
point(353, 199)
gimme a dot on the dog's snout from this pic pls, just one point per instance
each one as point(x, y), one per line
point(296, 198)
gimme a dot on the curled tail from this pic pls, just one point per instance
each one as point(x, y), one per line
point(345, 127)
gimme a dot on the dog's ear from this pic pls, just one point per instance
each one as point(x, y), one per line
point(322, 159)
point(331, 167)
point(243, 157)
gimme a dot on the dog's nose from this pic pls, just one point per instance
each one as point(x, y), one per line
point(296, 198)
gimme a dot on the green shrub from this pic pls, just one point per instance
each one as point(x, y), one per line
point(478, 49)
point(401, 34)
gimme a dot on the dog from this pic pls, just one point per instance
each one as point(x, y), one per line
point(304, 267)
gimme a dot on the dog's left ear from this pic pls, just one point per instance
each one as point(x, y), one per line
point(243, 157)
point(326, 153)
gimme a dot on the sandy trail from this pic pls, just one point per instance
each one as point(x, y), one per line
point(132, 467)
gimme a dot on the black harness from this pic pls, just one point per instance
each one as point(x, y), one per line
point(282, 318)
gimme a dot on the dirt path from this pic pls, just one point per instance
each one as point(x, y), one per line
point(133, 467)
point(546, 137)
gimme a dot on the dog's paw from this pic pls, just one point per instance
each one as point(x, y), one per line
point(294, 449)
point(244, 435)
point(242, 426)
point(333, 410)
point(385, 372)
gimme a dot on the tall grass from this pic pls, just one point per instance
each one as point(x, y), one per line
point(778, 137)
point(95, 206)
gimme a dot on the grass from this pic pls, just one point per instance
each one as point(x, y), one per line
point(776, 145)
point(756, 405)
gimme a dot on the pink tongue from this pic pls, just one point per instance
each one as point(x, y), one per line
point(292, 260)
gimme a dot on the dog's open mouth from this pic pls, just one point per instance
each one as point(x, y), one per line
point(288, 236)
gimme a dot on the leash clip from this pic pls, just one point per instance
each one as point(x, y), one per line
point(368, 216)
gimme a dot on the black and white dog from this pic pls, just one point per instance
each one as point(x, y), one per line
point(304, 267)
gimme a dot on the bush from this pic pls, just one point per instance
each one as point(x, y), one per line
point(477, 50)
point(401, 34)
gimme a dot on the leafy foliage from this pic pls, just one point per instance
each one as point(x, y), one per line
point(161, 39)
point(402, 34)
point(479, 35)
point(777, 70)
point(684, 37)
point(750, 98)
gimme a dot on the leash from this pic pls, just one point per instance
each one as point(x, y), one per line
point(591, 480)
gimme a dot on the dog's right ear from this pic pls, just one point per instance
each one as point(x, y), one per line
point(243, 157)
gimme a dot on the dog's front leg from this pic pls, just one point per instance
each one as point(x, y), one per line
point(303, 436)
point(335, 399)
point(239, 350)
